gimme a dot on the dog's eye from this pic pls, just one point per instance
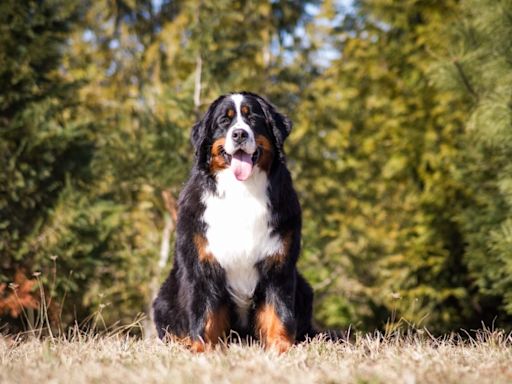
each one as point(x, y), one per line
point(230, 113)
point(245, 110)
point(224, 120)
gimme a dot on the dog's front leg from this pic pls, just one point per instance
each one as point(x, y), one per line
point(208, 311)
point(275, 323)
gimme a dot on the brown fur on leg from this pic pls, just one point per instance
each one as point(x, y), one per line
point(270, 328)
point(217, 324)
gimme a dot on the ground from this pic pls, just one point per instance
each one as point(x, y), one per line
point(368, 359)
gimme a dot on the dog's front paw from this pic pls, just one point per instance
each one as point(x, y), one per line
point(197, 346)
point(271, 330)
point(280, 345)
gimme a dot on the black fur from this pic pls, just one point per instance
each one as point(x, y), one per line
point(194, 287)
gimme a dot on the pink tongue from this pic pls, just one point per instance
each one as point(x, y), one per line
point(241, 165)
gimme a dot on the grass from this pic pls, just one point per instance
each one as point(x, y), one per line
point(80, 358)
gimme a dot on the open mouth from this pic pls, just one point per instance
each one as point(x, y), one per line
point(241, 163)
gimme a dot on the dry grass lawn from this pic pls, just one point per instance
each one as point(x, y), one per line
point(486, 358)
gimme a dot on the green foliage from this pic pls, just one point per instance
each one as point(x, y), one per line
point(39, 143)
point(478, 66)
point(89, 159)
point(400, 150)
point(140, 65)
point(379, 175)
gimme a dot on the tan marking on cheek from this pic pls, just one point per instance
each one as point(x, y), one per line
point(204, 255)
point(217, 161)
point(271, 330)
point(267, 152)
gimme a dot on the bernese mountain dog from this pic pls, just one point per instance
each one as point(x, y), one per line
point(238, 235)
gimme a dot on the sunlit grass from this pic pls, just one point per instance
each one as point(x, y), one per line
point(82, 358)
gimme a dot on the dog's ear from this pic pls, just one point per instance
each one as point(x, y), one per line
point(198, 134)
point(201, 133)
point(199, 140)
point(280, 125)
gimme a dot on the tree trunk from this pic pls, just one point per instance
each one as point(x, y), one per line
point(197, 86)
point(170, 218)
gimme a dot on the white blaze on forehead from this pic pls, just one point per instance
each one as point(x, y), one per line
point(249, 145)
point(237, 99)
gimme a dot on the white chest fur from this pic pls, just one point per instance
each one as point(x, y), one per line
point(238, 232)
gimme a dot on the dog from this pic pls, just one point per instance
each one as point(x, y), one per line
point(238, 235)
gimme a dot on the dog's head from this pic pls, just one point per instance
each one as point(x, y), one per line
point(242, 132)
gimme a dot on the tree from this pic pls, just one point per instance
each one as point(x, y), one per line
point(477, 64)
point(379, 175)
point(40, 145)
point(108, 136)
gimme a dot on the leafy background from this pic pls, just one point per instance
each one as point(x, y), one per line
point(400, 152)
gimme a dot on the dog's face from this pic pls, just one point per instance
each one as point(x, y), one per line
point(242, 132)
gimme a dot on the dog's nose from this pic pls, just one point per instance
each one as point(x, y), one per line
point(239, 135)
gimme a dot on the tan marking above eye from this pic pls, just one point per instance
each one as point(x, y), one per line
point(230, 113)
point(245, 110)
